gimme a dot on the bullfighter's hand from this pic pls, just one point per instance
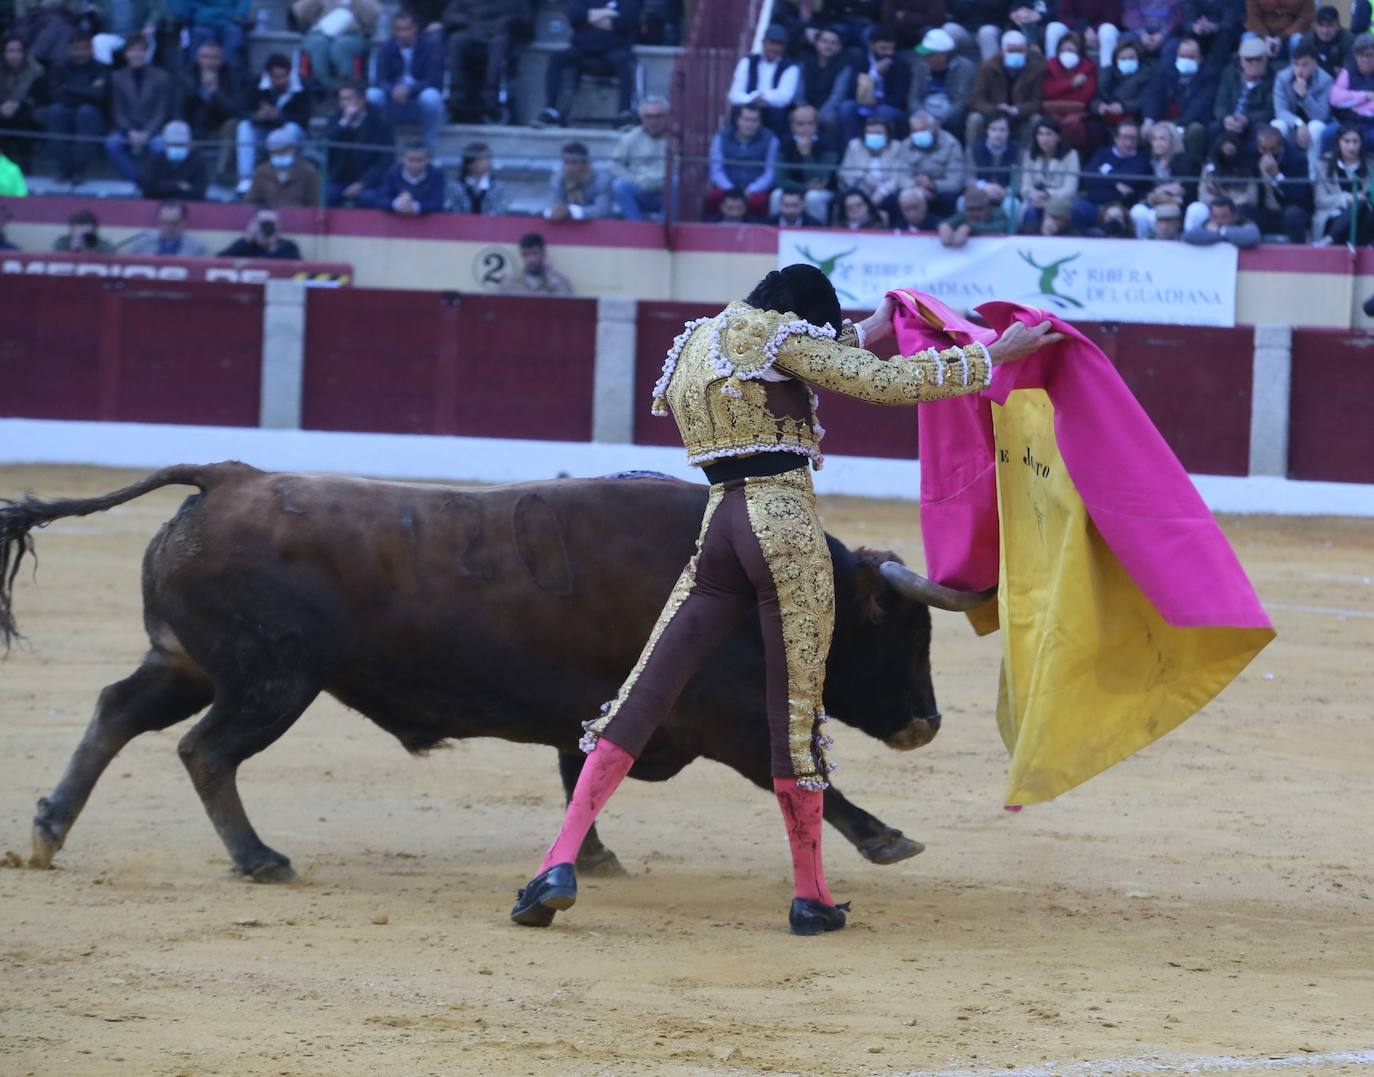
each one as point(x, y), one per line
point(1020, 341)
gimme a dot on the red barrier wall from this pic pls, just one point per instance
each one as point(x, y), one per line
point(445, 363)
point(132, 352)
point(1330, 432)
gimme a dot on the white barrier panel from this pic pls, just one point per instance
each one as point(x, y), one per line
point(415, 456)
point(1105, 280)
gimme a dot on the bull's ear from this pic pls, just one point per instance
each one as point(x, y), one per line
point(869, 588)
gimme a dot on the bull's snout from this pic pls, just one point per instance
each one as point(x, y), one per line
point(915, 734)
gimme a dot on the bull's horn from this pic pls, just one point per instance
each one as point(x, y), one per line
point(916, 587)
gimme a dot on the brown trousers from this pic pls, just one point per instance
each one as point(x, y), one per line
point(761, 547)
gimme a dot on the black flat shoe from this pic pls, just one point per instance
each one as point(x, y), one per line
point(548, 892)
point(814, 917)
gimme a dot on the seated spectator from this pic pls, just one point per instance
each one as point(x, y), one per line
point(1352, 94)
point(1223, 225)
point(21, 90)
point(359, 151)
point(5, 244)
point(83, 235)
point(337, 33)
point(80, 91)
point(638, 163)
point(1168, 223)
point(876, 165)
point(602, 36)
point(211, 99)
point(984, 18)
point(1330, 41)
point(477, 190)
point(1342, 191)
point(992, 165)
point(263, 239)
point(858, 212)
point(12, 183)
point(224, 22)
point(910, 20)
point(578, 191)
point(932, 160)
point(792, 213)
point(941, 81)
point(1070, 86)
point(278, 102)
point(141, 105)
point(286, 178)
point(1245, 95)
point(174, 173)
point(536, 276)
point(1028, 16)
point(1184, 95)
point(170, 239)
point(1121, 90)
point(1280, 24)
point(410, 79)
point(1049, 170)
point(826, 80)
point(412, 186)
point(1116, 175)
point(913, 211)
point(851, 19)
point(881, 86)
point(1174, 184)
point(1216, 26)
point(1153, 22)
point(1008, 85)
point(806, 165)
point(1054, 219)
point(1228, 173)
point(742, 155)
point(1284, 197)
point(733, 208)
point(480, 33)
point(981, 217)
point(768, 80)
point(1097, 22)
point(1302, 101)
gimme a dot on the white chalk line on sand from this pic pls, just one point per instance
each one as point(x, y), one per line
point(1121, 1067)
point(1329, 611)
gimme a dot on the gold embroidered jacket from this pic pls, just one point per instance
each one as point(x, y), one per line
point(724, 381)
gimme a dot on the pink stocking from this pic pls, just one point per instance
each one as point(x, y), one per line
point(602, 771)
point(801, 813)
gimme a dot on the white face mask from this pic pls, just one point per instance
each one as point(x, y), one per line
point(1068, 60)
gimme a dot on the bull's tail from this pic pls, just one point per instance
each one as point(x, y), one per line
point(19, 518)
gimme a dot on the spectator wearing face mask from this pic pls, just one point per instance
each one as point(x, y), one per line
point(1070, 86)
point(1010, 85)
point(1097, 22)
point(1223, 225)
point(176, 172)
point(981, 217)
point(285, 178)
point(1121, 87)
point(1184, 95)
point(942, 80)
point(278, 102)
point(875, 165)
point(932, 160)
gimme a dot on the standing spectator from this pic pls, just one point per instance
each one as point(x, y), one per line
point(223, 21)
point(858, 212)
point(285, 178)
point(412, 186)
point(1173, 171)
point(83, 235)
point(80, 90)
point(477, 189)
point(578, 191)
point(826, 80)
point(21, 83)
point(1223, 225)
point(792, 213)
point(141, 105)
point(932, 160)
point(1343, 190)
point(1245, 97)
point(1228, 173)
point(1284, 199)
point(211, 99)
point(263, 239)
point(1048, 171)
point(1008, 85)
point(280, 101)
point(480, 33)
point(913, 211)
point(1116, 175)
point(1302, 101)
point(170, 239)
point(1330, 41)
point(882, 85)
point(742, 156)
point(875, 165)
point(12, 183)
point(1216, 26)
point(1098, 22)
point(734, 208)
point(1184, 95)
point(1121, 89)
point(1070, 86)
point(358, 154)
point(1352, 94)
point(985, 18)
point(992, 165)
point(536, 276)
point(981, 217)
point(1281, 24)
point(768, 79)
point(174, 172)
point(639, 160)
point(337, 33)
point(806, 165)
point(941, 80)
point(603, 33)
point(410, 79)
point(1153, 22)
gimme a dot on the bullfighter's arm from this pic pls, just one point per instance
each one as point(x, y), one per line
point(842, 366)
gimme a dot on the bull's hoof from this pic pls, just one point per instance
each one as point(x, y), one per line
point(271, 871)
point(602, 864)
point(889, 847)
point(46, 840)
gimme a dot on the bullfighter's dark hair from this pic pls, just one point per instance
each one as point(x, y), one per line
point(801, 289)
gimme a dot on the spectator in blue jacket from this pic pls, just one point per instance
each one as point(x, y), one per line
point(1184, 94)
point(742, 157)
point(412, 187)
point(410, 78)
point(881, 86)
point(1283, 203)
point(358, 153)
point(603, 35)
point(1115, 175)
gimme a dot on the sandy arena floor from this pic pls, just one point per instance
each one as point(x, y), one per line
point(1206, 906)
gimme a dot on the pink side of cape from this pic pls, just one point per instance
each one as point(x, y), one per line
point(1132, 485)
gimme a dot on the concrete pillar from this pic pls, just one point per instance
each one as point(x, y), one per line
point(283, 355)
point(613, 402)
point(1273, 376)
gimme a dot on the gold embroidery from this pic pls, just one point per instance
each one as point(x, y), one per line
point(909, 379)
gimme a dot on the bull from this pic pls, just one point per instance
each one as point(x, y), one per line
point(441, 613)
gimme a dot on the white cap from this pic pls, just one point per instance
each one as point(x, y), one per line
point(936, 40)
point(1013, 37)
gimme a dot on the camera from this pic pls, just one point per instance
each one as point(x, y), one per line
point(267, 229)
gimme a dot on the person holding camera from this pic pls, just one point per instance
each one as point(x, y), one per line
point(263, 239)
point(83, 235)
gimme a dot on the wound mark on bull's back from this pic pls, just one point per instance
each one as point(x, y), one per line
point(282, 488)
point(539, 540)
point(466, 512)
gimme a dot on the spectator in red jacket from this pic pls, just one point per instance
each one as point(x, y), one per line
point(1098, 21)
point(1070, 86)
